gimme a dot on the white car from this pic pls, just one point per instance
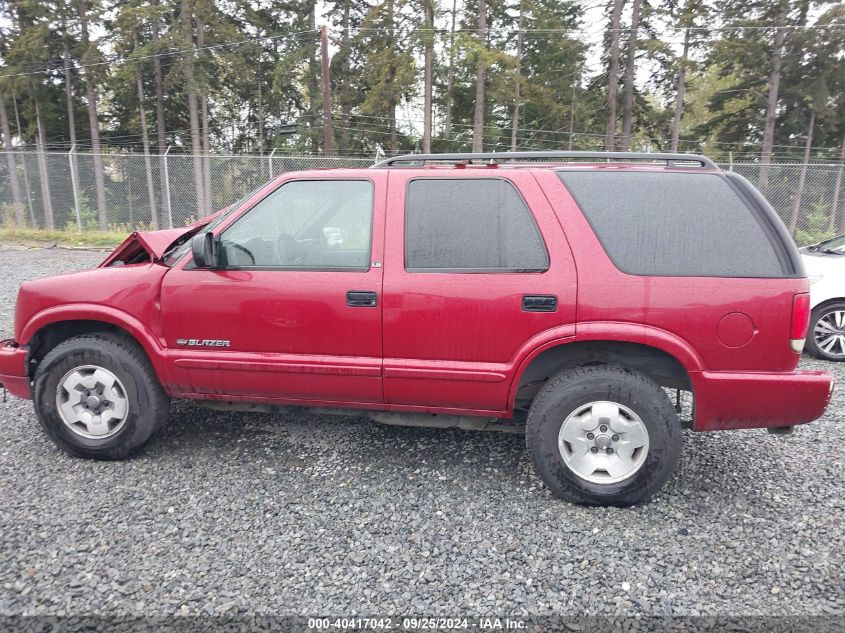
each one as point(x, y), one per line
point(825, 265)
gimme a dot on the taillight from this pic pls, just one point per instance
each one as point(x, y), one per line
point(800, 321)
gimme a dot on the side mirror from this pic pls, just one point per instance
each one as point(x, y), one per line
point(202, 247)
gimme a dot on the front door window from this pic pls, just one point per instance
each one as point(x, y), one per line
point(304, 225)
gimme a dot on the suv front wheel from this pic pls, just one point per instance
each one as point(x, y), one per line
point(97, 396)
point(603, 435)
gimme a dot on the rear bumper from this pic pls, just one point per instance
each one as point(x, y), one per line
point(13, 375)
point(747, 400)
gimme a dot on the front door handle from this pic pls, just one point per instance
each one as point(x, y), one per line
point(361, 299)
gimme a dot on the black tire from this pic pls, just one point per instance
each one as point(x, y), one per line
point(574, 388)
point(818, 313)
point(148, 406)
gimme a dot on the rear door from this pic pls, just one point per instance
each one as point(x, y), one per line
point(294, 309)
point(469, 280)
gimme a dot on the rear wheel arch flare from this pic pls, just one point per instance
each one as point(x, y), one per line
point(658, 364)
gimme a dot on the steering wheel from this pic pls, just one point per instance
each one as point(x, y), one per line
point(287, 250)
point(243, 249)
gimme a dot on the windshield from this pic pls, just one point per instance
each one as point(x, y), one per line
point(180, 248)
point(833, 245)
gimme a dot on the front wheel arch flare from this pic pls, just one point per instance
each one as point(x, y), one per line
point(46, 332)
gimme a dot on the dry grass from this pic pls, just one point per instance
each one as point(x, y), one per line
point(65, 238)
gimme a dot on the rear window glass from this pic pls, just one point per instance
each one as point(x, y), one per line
point(673, 224)
point(470, 225)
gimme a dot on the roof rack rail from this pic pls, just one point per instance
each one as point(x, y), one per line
point(671, 160)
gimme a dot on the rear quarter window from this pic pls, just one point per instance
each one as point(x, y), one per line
point(674, 224)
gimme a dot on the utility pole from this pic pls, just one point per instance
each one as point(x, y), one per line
point(328, 135)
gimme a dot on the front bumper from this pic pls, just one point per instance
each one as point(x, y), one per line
point(13, 374)
point(747, 400)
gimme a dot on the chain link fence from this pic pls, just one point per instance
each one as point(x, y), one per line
point(60, 190)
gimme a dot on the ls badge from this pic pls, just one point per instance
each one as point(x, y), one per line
point(202, 342)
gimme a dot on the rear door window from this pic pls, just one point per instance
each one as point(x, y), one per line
point(470, 225)
point(674, 224)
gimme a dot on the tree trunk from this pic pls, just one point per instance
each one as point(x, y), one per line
point(679, 95)
point(44, 174)
point(34, 222)
point(450, 76)
point(429, 61)
point(325, 79)
point(518, 77)
point(206, 157)
point(575, 79)
point(71, 123)
point(161, 136)
point(11, 163)
point(773, 97)
point(71, 119)
point(391, 81)
point(260, 116)
point(346, 104)
point(630, 73)
point(314, 97)
point(91, 95)
point(480, 78)
point(206, 145)
point(802, 177)
point(145, 140)
point(834, 223)
point(193, 107)
point(613, 76)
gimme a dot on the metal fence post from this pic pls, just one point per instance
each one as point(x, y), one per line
point(270, 161)
point(75, 184)
point(167, 187)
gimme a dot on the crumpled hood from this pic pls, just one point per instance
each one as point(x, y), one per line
point(154, 243)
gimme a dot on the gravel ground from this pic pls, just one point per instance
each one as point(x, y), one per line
point(259, 514)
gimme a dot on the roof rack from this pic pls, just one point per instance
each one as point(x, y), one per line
point(671, 160)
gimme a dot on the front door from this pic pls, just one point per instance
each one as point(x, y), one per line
point(293, 310)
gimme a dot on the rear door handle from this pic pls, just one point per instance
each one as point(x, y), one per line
point(361, 299)
point(539, 303)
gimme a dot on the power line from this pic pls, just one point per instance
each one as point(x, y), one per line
point(579, 31)
point(565, 132)
point(195, 49)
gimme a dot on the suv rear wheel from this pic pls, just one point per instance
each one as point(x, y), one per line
point(97, 396)
point(603, 435)
point(826, 334)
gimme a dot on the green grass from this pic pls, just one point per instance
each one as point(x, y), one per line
point(62, 238)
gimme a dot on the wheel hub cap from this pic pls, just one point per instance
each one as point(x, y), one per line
point(92, 402)
point(603, 442)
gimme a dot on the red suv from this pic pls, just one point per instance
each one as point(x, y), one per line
point(568, 292)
